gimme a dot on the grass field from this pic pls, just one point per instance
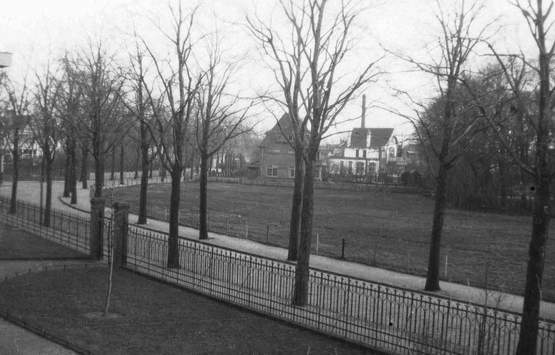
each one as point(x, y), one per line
point(153, 318)
point(389, 230)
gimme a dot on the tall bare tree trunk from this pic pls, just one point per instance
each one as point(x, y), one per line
point(302, 270)
point(84, 167)
point(73, 173)
point(203, 203)
point(48, 199)
point(67, 167)
point(15, 173)
point(295, 225)
point(121, 164)
point(145, 168)
point(432, 276)
point(113, 164)
point(98, 155)
point(527, 342)
point(173, 238)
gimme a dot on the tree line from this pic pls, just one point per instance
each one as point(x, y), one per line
point(485, 130)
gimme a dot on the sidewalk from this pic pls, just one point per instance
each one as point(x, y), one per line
point(29, 191)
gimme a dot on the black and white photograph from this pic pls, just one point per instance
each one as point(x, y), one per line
point(303, 177)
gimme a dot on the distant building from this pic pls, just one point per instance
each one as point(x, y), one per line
point(276, 157)
point(366, 151)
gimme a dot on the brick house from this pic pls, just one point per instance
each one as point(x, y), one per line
point(276, 158)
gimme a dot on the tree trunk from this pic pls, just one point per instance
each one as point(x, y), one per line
point(528, 338)
point(121, 164)
point(15, 173)
point(113, 164)
point(66, 192)
point(145, 168)
point(432, 277)
point(136, 175)
point(203, 205)
point(73, 173)
point(302, 270)
point(295, 225)
point(98, 155)
point(192, 165)
point(84, 167)
point(534, 274)
point(173, 247)
point(48, 199)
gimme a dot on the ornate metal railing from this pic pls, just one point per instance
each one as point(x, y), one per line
point(376, 315)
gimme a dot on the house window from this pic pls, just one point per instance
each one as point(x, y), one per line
point(350, 167)
point(291, 172)
point(359, 168)
point(272, 171)
point(357, 153)
point(391, 153)
point(364, 153)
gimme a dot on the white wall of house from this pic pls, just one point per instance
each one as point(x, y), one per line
point(366, 166)
point(370, 153)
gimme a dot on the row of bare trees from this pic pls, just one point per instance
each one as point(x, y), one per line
point(174, 108)
point(306, 61)
point(179, 106)
point(501, 114)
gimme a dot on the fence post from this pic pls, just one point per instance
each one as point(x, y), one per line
point(97, 228)
point(343, 248)
point(120, 228)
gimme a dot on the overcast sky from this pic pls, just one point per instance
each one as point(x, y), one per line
point(37, 31)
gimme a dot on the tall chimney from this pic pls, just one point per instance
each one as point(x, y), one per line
point(363, 119)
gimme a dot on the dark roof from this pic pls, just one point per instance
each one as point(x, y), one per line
point(378, 137)
point(275, 134)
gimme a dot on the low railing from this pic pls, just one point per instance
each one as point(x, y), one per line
point(70, 230)
point(372, 314)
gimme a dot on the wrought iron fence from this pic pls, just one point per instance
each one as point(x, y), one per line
point(376, 315)
point(70, 230)
point(389, 318)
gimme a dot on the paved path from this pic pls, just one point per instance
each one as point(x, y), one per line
point(29, 191)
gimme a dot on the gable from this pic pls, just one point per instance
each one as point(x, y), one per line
point(378, 137)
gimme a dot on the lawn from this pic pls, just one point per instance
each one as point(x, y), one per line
point(16, 244)
point(389, 230)
point(152, 318)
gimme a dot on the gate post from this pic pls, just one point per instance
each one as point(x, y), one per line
point(121, 223)
point(97, 228)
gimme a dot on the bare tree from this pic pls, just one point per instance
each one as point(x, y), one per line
point(219, 119)
point(173, 112)
point(458, 39)
point(537, 113)
point(69, 108)
point(46, 127)
point(15, 122)
point(290, 73)
point(139, 109)
point(315, 92)
point(102, 95)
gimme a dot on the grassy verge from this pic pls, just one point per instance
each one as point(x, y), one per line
point(18, 244)
point(154, 318)
point(389, 230)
